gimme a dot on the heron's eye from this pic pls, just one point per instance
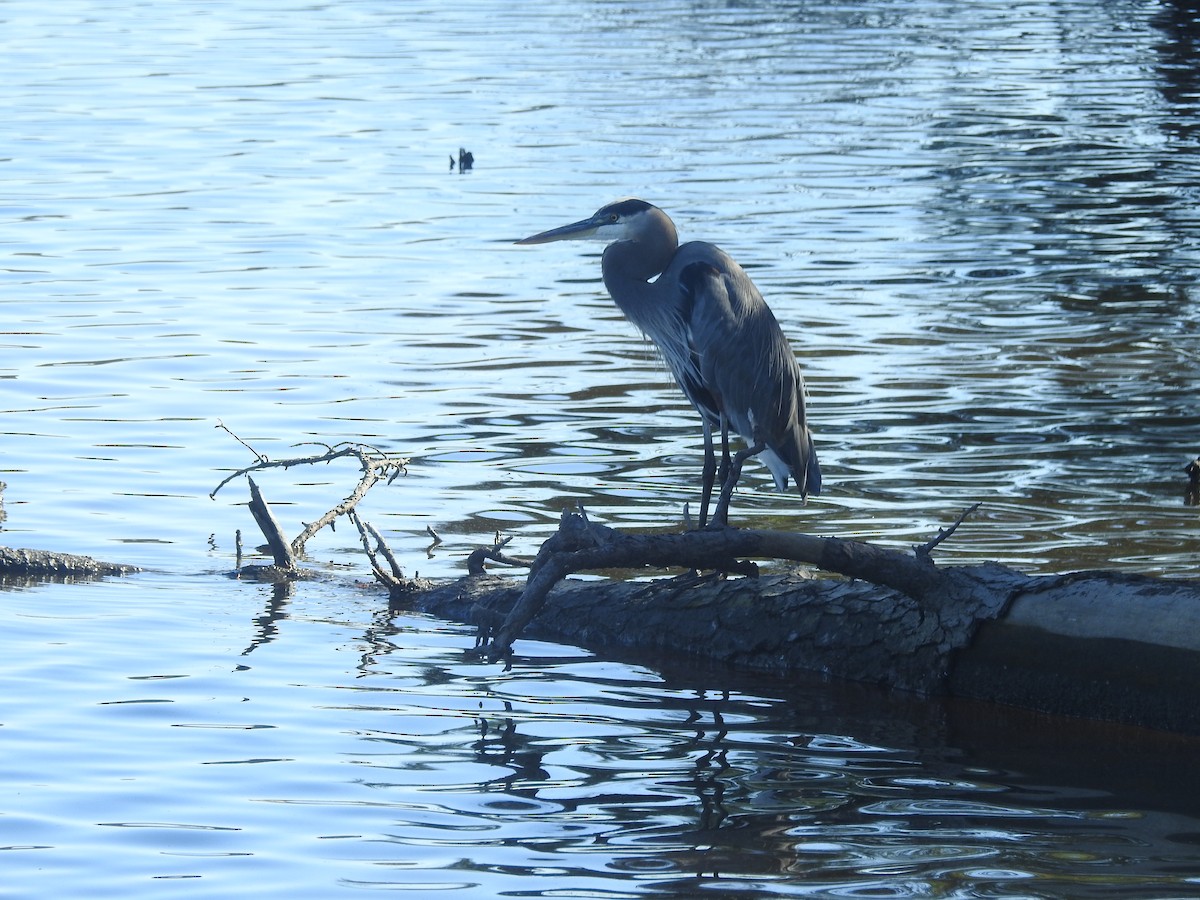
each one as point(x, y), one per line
point(613, 217)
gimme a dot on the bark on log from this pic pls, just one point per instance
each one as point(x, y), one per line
point(953, 597)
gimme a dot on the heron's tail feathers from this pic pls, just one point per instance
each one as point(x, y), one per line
point(812, 481)
point(791, 455)
point(802, 466)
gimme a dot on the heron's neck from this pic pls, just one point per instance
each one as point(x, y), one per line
point(640, 260)
point(628, 267)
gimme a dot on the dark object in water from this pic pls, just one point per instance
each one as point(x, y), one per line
point(466, 160)
point(1191, 496)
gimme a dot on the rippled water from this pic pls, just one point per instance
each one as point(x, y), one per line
point(279, 749)
point(976, 221)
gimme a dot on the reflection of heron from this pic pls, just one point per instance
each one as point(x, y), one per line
point(1192, 495)
point(716, 333)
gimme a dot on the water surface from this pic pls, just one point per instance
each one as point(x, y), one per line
point(976, 223)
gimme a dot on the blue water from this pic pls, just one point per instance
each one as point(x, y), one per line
point(976, 223)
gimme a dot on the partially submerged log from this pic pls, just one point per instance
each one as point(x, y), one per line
point(953, 598)
point(777, 624)
point(48, 564)
point(1117, 647)
point(1099, 645)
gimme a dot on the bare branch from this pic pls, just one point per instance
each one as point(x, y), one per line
point(368, 457)
point(281, 551)
point(943, 533)
point(383, 577)
point(372, 470)
point(262, 457)
point(385, 550)
point(374, 465)
point(475, 560)
point(580, 545)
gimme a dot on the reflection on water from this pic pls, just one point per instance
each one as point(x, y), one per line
point(977, 224)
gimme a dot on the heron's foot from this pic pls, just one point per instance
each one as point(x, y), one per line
point(720, 517)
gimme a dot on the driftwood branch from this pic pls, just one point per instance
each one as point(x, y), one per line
point(393, 576)
point(281, 550)
point(374, 466)
point(374, 462)
point(581, 545)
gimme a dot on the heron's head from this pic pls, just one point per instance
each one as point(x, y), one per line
point(625, 220)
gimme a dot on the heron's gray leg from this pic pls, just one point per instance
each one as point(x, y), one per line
point(720, 517)
point(723, 474)
point(709, 473)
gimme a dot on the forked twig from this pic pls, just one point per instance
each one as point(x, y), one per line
point(375, 466)
point(390, 579)
point(943, 533)
point(479, 554)
point(372, 460)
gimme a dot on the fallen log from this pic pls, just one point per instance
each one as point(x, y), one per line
point(1098, 645)
point(24, 563)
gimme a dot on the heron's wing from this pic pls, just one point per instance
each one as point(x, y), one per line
point(693, 386)
point(748, 366)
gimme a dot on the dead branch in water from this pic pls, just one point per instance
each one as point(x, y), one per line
point(393, 576)
point(494, 553)
point(943, 533)
point(375, 466)
point(281, 550)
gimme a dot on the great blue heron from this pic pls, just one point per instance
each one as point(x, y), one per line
point(716, 333)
